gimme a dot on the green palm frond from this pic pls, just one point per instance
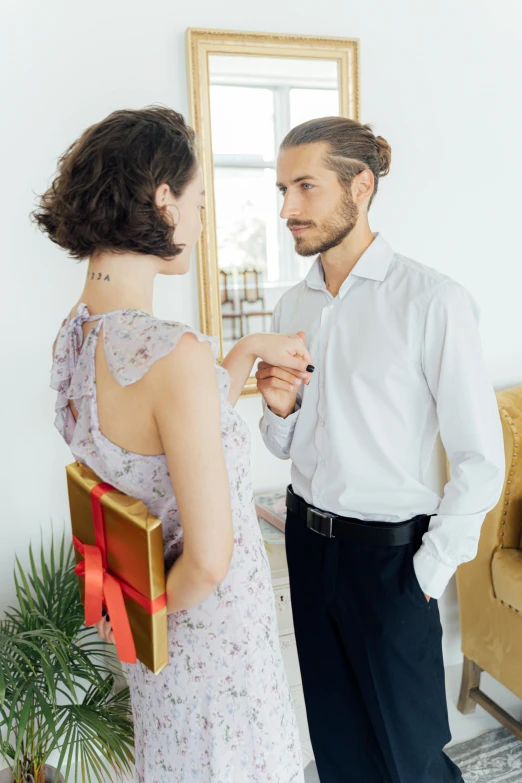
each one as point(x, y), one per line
point(57, 679)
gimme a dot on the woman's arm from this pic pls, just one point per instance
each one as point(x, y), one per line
point(239, 362)
point(186, 407)
point(276, 349)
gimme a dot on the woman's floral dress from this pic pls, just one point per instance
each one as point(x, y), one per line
point(220, 712)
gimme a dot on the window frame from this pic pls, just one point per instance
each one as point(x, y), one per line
point(289, 272)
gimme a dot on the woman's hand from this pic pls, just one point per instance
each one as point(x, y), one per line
point(287, 351)
point(104, 629)
point(283, 350)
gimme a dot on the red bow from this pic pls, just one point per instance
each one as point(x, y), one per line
point(103, 588)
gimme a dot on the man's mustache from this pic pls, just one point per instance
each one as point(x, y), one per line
point(297, 224)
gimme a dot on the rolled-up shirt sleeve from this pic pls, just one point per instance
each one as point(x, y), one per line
point(470, 430)
point(277, 433)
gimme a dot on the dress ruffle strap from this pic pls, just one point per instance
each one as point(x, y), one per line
point(133, 341)
point(71, 375)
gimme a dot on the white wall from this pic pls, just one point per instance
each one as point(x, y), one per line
point(440, 81)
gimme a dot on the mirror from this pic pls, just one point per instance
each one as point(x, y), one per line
point(247, 91)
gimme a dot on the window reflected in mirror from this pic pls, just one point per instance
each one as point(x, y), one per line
point(254, 102)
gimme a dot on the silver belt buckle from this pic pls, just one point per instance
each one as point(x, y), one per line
point(320, 521)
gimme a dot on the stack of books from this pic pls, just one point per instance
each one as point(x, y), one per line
point(272, 508)
point(271, 513)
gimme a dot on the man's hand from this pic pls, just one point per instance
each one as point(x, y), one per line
point(279, 385)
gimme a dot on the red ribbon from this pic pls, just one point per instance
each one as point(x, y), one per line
point(103, 588)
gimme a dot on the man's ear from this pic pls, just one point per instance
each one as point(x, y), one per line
point(362, 187)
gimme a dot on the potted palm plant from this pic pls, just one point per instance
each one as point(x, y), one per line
point(57, 678)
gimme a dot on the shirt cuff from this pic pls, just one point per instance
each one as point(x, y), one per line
point(432, 575)
point(277, 423)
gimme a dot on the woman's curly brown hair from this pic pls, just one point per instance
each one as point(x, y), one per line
point(103, 195)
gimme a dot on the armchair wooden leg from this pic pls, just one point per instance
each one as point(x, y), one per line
point(471, 695)
point(470, 680)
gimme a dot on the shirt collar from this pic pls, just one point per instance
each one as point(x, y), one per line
point(373, 264)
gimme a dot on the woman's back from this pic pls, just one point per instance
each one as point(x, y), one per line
point(118, 405)
point(98, 364)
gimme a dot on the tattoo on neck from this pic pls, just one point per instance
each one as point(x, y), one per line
point(99, 276)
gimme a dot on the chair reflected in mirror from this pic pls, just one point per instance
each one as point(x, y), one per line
point(228, 298)
point(253, 294)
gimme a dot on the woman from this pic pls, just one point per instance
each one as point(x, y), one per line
point(142, 402)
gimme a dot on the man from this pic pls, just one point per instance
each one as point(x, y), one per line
point(370, 546)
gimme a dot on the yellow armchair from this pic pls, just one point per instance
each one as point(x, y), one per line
point(490, 586)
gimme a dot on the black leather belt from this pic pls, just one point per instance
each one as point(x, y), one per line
point(377, 533)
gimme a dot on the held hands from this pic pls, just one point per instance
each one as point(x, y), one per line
point(279, 377)
point(283, 350)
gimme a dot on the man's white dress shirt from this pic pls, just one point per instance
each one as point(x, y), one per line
point(397, 357)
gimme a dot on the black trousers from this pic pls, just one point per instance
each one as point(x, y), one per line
point(370, 653)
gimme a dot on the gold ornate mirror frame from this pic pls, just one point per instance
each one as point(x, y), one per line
point(200, 45)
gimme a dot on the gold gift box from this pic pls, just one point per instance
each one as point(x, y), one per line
point(134, 546)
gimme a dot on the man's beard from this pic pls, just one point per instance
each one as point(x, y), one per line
point(331, 231)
